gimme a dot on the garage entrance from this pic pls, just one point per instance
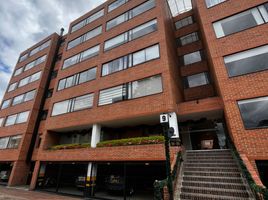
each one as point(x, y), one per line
point(5, 171)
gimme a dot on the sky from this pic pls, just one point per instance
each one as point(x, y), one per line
point(26, 22)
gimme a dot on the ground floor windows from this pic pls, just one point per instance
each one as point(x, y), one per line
point(109, 180)
point(254, 112)
point(5, 171)
point(262, 166)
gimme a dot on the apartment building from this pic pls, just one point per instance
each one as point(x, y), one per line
point(81, 113)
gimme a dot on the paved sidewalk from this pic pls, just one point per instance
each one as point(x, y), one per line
point(21, 194)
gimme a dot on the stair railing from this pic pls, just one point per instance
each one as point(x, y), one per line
point(159, 185)
point(260, 193)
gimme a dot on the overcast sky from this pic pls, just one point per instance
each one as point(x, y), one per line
point(25, 22)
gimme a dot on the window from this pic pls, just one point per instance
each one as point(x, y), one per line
point(147, 86)
point(40, 48)
point(89, 35)
point(18, 71)
point(184, 22)
point(49, 93)
point(1, 121)
point(116, 4)
point(12, 87)
point(88, 20)
point(5, 103)
point(130, 60)
point(22, 117)
point(211, 3)
point(135, 33)
point(192, 58)
point(4, 142)
point(24, 57)
point(76, 79)
point(14, 142)
point(54, 74)
point(29, 79)
point(11, 120)
point(44, 114)
point(130, 14)
point(242, 21)
point(89, 53)
point(187, 39)
point(196, 80)
point(248, 61)
point(254, 112)
point(135, 89)
point(35, 62)
point(74, 104)
point(23, 97)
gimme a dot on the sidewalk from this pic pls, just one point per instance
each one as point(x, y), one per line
point(20, 194)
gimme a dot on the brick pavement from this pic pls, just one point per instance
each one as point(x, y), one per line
point(21, 194)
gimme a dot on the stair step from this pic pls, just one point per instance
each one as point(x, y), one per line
point(211, 169)
point(209, 161)
point(213, 179)
point(208, 174)
point(223, 165)
point(209, 157)
point(214, 185)
point(215, 191)
point(194, 196)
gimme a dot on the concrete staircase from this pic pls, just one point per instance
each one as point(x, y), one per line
point(211, 175)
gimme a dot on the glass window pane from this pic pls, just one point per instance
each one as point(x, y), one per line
point(35, 76)
point(11, 120)
point(116, 4)
point(197, 80)
point(24, 57)
point(95, 16)
point(249, 61)
point(74, 43)
point(18, 99)
point(254, 112)
point(139, 57)
point(148, 86)
point(152, 52)
point(238, 22)
point(14, 142)
point(29, 66)
point(90, 53)
point(1, 121)
point(4, 142)
point(116, 21)
point(184, 22)
point(70, 61)
point(29, 95)
point(5, 103)
point(22, 117)
point(12, 87)
point(111, 95)
point(187, 39)
point(144, 29)
point(24, 81)
point(69, 82)
point(114, 42)
point(143, 7)
point(60, 108)
point(93, 33)
point(211, 3)
point(83, 102)
point(18, 71)
point(61, 85)
point(192, 58)
point(113, 66)
point(78, 26)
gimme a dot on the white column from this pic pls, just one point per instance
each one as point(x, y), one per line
point(96, 133)
point(173, 122)
point(91, 174)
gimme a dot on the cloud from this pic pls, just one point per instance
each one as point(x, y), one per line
point(25, 22)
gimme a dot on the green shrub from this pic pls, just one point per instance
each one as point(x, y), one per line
point(70, 146)
point(132, 141)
